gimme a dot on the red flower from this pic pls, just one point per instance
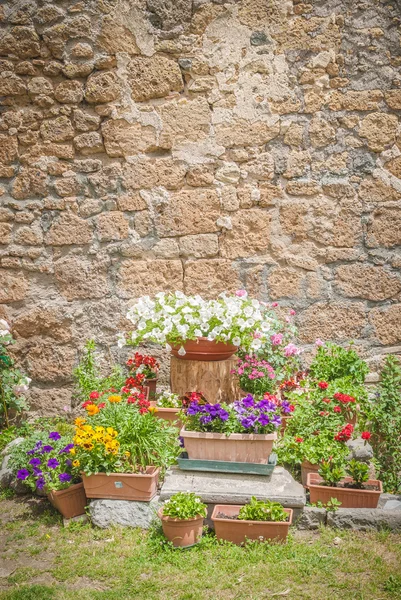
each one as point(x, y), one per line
point(101, 405)
point(292, 407)
point(337, 409)
point(299, 439)
point(366, 435)
point(343, 398)
point(94, 395)
point(87, 403)
point(324, 413)
point(326, 400)
point(345, 434)
point(323, 385)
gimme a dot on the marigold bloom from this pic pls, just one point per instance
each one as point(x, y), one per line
point(115, 398)
point(79, 421)
point(92, 409)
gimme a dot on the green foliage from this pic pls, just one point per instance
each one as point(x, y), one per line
point(331, 506)
point(184, 505)
point(335, 362)
point(393, 585)
point(331, 472)
point(358, 471)
point(257, 510)
point(33, 592)
point(87, 376)
point(168, 400)
point(312, 448)
point(13, 384)
point(383, 415)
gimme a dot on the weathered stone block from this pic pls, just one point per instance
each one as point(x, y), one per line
point(115, 37)
point(184, 120)
point(50, 401)
point(14, 286)
point(89, 143)
point(311, 518)
point(379, 130)
point(139, 277)
point(57, 130)
point(153, 77)
point(106, 513)
point(250, 234)
point(243, 133)
point(385, 228)
point(69, 92)
point(365, 519)
point(79, 278)
point(112, 226)
point(126, 139)
point(284, 283)
point(199, 246)
point(334, 321)
point(69, 229)
point(210, 277)
point(387, 323)
point(363, 281)
point(47, 362)
point(102, 87)
point(189, 212)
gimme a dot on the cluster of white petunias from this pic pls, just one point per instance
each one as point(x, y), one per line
point(171, 319)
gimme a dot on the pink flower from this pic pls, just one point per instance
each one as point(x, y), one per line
point(319, 342)
point(292, 312)
point(276, 339)
point(240, 371)
point(275, 304)
point(291, 350)
point(257, 335)
point(241, 293)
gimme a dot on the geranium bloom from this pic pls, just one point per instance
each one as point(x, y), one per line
point(366, 435)
point(299, 440)
point(86, 404)
point(323, 385)
point(101, 405)
point(345, 434)
point(291, 350)
point(94, 395)
point(337, 409)
point(241, 293)
point(276, 339)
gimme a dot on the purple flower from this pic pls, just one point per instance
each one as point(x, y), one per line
point(47, 449)
point(66, 449)
point(30, 452)
point(248, 401)
point(35, 462)
point(266, 405)
point(40, 483)
point(38, 445)
point(193, 409)
point(213, 409)
point(223, 415)
point(249, 421)
point(36, 471)
point(285, 406)
point(23, 474)
point(276, 420)
point(264, 420)
point(239, 409)
point(54, 435)
point(68, 462)
point(205, 419)
point(181, 441)
point(64, 477)
point(53, 463)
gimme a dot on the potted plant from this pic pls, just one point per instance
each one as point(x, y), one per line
point(354, 491)
point(182, 519)
point(167, 406)
point(50, 466)
point(197, 329)
point(255, 376)
point(240, 432)
point(121, 448)
point(148, 367)
point(256, 520)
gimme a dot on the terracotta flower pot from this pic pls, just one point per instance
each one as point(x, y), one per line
point(238, 532)
point(167, 414)
point(349, 497)
point(122, 486)
point(70, 502)
point(284, 422)
point(236, 447)
point(203, 349)
point(151, 385)
point(306, 468)
point(181, 532)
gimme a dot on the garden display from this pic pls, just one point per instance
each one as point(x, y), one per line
point(256, 520)
point(182, 519)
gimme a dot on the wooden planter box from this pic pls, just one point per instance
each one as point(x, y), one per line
point(238, 532)
point(122, 486)
point(349, 498)
point(182, 532)
point(236, 447)
point(70, 502)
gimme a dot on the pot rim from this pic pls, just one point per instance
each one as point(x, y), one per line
point(176, 520)
point(219, 507)
point(255, 437)
point(153, 473)
point(314, 480)
point(70, 487)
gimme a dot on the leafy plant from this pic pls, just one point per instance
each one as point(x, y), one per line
point(334, 362)
point(13, 384)
point(383, 415)
point(358, 471)
point(258, 510)
point(184, 505)
point(168, 400)
point(331, 472)
point(331, 506)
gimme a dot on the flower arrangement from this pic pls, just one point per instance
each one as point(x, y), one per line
point(128, 395)
point(123, 436)
point(169, 400)
point(173, 318)
point(243, 416)
point(48, 464)
point(255, 375)
point(143, 364)
point(13, 384)
point(184, 505)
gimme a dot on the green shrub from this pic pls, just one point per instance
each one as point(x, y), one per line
point(335, 362)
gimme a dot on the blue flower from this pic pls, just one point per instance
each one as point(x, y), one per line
point(23, 474)
point(54, 435)
point(264, 420)
point(35, 462)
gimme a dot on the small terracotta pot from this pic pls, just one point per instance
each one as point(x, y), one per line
point(306, 468)
point(349, 497)
point(181, 532)
point(284, 422)
point(238, 532)
point(167, 414)
point(141, 487)
point(151, 385)
point(70, 502)
point(205, 350)
point(236, 447)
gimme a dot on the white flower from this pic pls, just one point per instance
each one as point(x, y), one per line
point(236, 341)
point(121, 340)
point(181, 351)
point(5, 326)
point(256, 344)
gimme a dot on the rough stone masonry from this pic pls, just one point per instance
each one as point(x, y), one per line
point(198, 145)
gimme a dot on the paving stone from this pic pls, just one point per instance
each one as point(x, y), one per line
point(226, 488)
point(105, 513)
point(364, 519)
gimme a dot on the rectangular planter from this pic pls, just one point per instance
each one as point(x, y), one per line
point(167, 414)
point(236, 447)
point(221, 466)
point(349, 498)
point(70, 502)
point(122, 486)
point(238, 532)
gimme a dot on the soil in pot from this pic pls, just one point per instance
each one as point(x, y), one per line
point(181, 532)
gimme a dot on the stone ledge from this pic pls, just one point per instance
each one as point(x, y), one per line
point(365, 519)
point(311, 518)
point(105, 513)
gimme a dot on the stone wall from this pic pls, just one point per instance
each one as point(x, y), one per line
point(197, 145)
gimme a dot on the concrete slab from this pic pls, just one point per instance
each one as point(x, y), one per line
point(227, 488)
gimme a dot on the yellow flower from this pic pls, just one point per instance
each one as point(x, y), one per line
point(87, 446)
point(75, 463)
point(87, 428)
point(79, 421)
point(152, 409)
point(72, 451)
point(126, 453)
point(99, 429)
point(78, 441)
point(92, 409)
point(115, 398)
point(112, 432)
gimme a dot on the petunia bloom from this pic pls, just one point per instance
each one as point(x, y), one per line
point(54, 435)
point(65, 477)
point(53, 463)
point(23, 474)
